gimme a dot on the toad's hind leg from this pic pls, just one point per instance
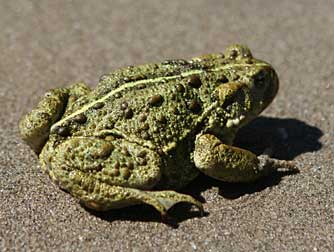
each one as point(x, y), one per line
point(109, 173)
point(232, 164)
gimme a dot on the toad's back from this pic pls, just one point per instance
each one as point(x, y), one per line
point(155, 105)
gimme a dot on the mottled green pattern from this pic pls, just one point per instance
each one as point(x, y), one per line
point(149, 126)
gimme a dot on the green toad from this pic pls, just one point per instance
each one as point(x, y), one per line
point(148, 130)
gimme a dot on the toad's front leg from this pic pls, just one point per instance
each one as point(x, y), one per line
point(232, 164)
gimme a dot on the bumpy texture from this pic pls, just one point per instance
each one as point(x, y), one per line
point(150, 126)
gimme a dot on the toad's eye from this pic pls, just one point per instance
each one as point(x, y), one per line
point(259, 79)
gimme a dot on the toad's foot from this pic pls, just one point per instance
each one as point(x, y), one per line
point(231, 164)
point(271, 164)
point(167, 199)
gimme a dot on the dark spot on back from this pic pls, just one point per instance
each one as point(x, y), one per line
point(195, 81)
point(63, 131)
point(155, 100)
point(142, 117)
point(80, 118)
point(194, 106)
point(180, 88)
point(223, 79)
point(128, 113)
point(98, 105)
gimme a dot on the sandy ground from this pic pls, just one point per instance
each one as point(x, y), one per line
point(45, 44)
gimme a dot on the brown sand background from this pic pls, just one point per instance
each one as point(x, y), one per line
point(45, 44)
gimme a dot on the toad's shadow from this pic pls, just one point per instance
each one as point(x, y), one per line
point(282, 138)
